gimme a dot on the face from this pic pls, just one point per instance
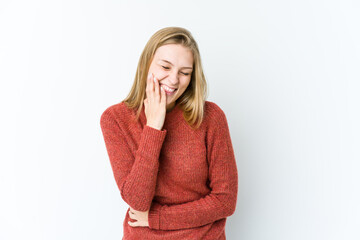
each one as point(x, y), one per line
point(172, 65)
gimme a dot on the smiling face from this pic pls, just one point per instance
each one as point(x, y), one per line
point(172, 65)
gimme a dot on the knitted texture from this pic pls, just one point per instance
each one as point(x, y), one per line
point(187, 178)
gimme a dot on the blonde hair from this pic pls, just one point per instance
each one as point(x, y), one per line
point(192, 101)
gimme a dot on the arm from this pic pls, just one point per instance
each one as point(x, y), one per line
point(221, 201)
point(135, 174)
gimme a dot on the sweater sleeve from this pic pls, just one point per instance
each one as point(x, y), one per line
point(135, 173)
point(220, 202)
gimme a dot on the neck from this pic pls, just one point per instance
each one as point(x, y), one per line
point(171, 107)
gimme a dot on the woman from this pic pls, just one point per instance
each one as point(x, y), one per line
point(170, 150)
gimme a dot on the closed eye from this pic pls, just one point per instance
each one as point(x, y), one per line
point(186, 74)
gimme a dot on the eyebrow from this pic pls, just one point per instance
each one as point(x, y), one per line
point(173, 64)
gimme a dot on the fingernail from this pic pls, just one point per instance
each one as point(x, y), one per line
point(149, 75)
point(154, 79)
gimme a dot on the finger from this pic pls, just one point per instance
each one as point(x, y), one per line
point(163, 96)
point(151, 86)
point(133, 224)
point(156, 83)
point(132, 212)
point(148, 84)
point(148, 80)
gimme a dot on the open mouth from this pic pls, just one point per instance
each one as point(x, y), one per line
point(167, 89)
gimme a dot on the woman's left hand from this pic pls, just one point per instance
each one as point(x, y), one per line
point(141, 217)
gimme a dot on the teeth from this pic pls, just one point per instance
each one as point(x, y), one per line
point(167, 88)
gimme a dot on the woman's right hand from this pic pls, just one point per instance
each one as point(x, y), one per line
point(155, 103)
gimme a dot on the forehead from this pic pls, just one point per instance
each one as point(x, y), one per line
point(175, 53)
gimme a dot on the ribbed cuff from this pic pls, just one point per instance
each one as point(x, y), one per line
point(151, 142)
point(154, 216)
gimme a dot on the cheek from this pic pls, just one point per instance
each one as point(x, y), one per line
point(186, 83)
point(154, 69)
point(158, 72)
point(184, 86)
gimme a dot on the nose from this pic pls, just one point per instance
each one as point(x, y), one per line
point(173, 78)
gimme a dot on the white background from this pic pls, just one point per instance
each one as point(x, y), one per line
point(286, 74)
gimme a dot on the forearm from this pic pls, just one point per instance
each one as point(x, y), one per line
point(135, 173)
point(208, 209)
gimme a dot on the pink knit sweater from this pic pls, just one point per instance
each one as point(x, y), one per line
point(187, 178)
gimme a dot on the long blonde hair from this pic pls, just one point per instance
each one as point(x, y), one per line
point(192, 101)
